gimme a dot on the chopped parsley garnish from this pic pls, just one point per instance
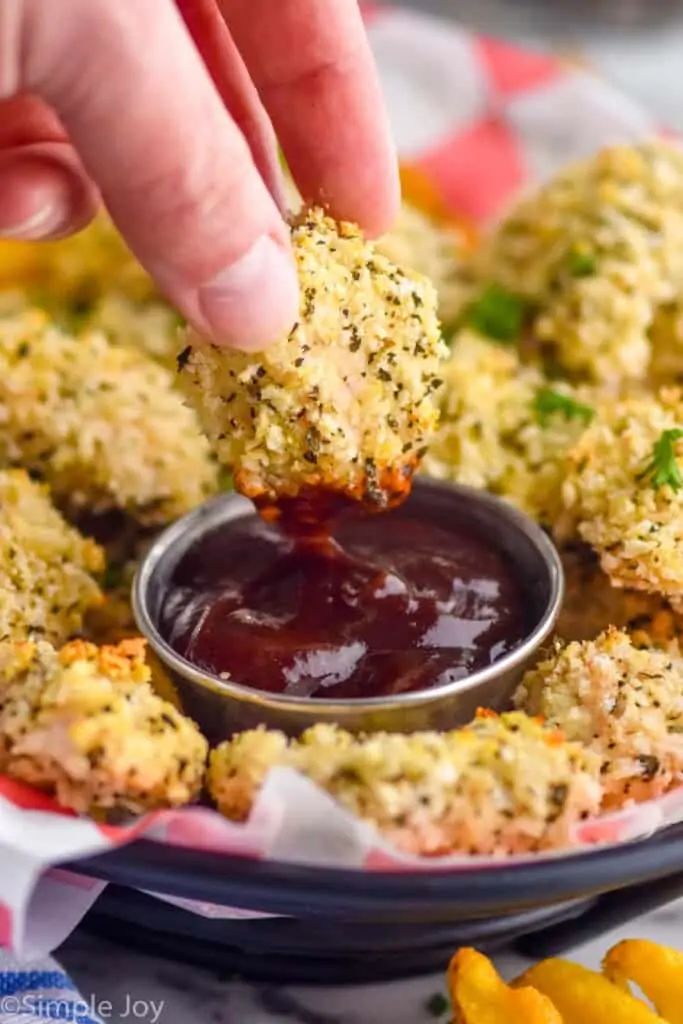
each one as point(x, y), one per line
point(113, 576)
point(549, 401)
point(581, 264)
point(437, 1005)
point(497, 313)
point(225, 480)
point(662, 469)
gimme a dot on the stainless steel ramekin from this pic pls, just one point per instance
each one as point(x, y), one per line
point(223, 707)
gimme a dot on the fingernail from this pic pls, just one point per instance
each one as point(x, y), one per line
point(45, 221)
point(256, 300)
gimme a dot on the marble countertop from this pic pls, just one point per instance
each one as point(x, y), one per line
point(164, 993)
point(648, 65)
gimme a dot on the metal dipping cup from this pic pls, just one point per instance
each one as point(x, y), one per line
point(222, 707)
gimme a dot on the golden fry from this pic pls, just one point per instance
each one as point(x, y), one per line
point(480, 996)
point(586, 997)
point(657, 970)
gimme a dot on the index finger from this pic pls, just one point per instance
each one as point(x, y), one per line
point(314, 70)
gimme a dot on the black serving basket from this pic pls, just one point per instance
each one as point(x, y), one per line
point(349, 927)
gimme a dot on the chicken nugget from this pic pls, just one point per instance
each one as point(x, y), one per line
point(504, 784)
point(623, 702)
point(435, 250)
point(624, 489)
point(594, 254)
point(505, 427)
point(346, 402)
point(67, 276)
point(102, 424)
point(47, 568)
point(83, 724)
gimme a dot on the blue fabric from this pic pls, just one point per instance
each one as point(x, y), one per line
point(40, 992)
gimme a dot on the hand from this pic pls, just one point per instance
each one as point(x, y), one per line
point(166, 111)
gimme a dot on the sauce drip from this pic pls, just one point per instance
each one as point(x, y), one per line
point(379, 605)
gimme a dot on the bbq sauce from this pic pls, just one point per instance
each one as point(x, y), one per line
point(369, 606)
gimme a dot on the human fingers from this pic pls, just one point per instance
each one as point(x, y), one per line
point(313, 68)
point(172, 167)
point(236, 89)
point(44, 190)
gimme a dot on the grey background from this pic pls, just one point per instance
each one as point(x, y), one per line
point(637, 44)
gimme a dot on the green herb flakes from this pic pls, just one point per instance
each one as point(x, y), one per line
point(498, 314)
point(662, 469)
point(581, 263)
point(437, 1005)
point(549, 402)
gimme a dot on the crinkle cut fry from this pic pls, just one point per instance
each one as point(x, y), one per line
point(84, 724)
point(585, 997)
point(480, 996)
point(346, 403)
point(656, 970)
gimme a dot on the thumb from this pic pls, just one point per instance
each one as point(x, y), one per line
point(173, 169)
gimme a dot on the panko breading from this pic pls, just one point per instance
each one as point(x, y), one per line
point(91, 281)
point(632, 517)
point(595, 252)
point(346, 402)
point(505, 784)
point(101, 423)
point(68, 276)
point(623, 702)
point(46, 566)
point(433, 250)
point(83, 724)
point(504, 427)
point(151, 327)
point(419, 242)
point(666, 337)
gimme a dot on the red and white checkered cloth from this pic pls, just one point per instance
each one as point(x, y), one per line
point(476, 120)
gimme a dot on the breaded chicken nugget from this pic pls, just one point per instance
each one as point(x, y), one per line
point(666, 338)
point(625, 491)
point(625, 703)
point(102, 424)
point(434, 250)
point(505, 427)
point(68, 276)
point(90, 281)
point(83, 724)
point(418, 241)
point(150, 326)
point(46, 566)
point(594, 253)
point(345, 403)
point(502, 785)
